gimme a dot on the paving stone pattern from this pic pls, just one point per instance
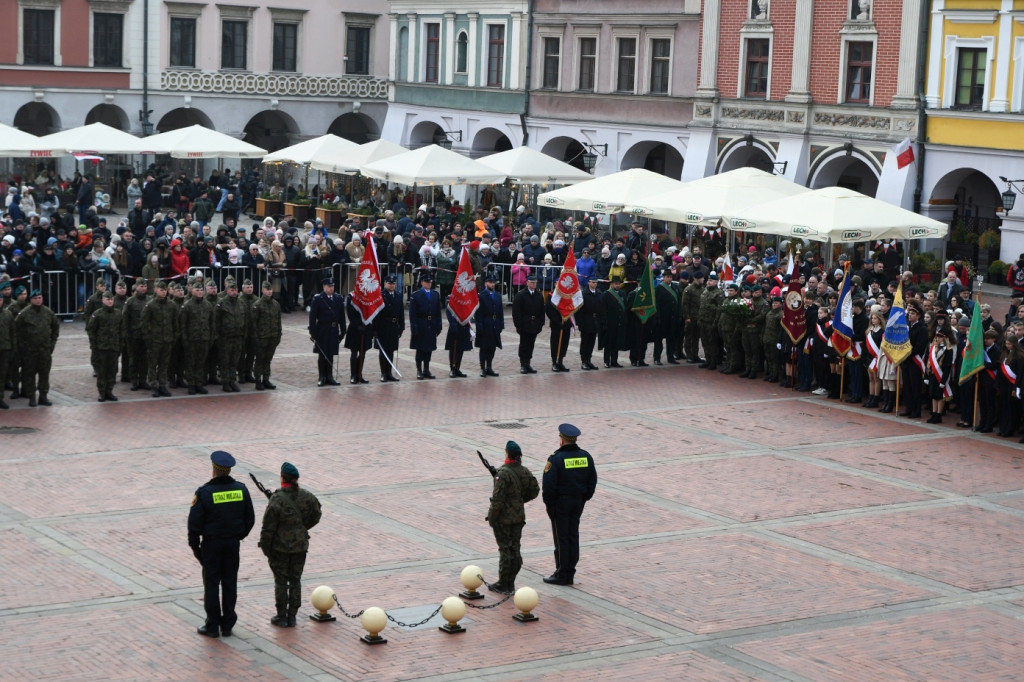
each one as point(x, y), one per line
point(740, 531)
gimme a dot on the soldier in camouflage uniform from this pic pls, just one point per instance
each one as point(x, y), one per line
point(231, 332)
point(513, 487)
point(19, 301)
point(730, 332)
point(176, 367)
point(212, 354)
point(7, 347)
point(266, 332)
point(772, 338)
point(284, 539)
point(104, 330)
point(710, 302)
point(197, 326)
point(36, 330)
point(247, 361)
point(131, 331)
point(159, 328)
point(120, 299)
point(690, 311)
point(752, 332)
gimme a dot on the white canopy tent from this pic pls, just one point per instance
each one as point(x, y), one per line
point(609, 193)
point(197, 142)
point(836, 214)
point(531, 167)
point(362, 155)
point(95, 138)
point(326, 149)
point(17, 143)
point(432, 165)
point(716, 197)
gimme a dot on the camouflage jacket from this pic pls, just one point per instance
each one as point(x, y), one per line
point(513, 487)
point(290, 513)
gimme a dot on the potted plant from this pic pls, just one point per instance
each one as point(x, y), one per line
point(997, 272)
point(363, 212)
point(924, 265)
point(298, 207)
point(330, 215)
point(267, 205)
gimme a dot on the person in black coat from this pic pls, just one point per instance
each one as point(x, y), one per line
point(457, 342)
point(388, 327)
point(358, 339)
point(425, 324)
point(490, 321)
point(326, 328)
point(590, 318)
point(561, 331)
point(913, 367)
point(569, 482)
point(528, 318)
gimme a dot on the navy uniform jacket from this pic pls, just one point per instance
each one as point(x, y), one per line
point(590, 316)
point(327, 322)
point(569, 472)
point(359, 336)
point(528, 311)
point(457, 334)
point(425, 319)
point(390, 321)
point(221, 510)
point(490, 320)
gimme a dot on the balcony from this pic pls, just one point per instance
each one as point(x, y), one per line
point(243, 83)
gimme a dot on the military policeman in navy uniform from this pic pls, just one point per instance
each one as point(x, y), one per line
point(389, 325)
point(326, 328)
point(490, 320)
point(220, 518)
point(569, 482)
point(425, 323)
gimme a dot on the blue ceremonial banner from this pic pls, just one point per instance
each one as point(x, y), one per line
point(842, 322)
point(896, 338)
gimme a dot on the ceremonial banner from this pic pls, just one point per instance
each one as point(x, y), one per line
point(727, 274)
point(567, 296)
point(366, 295)
point(794, 316)
point(896, 339)
point(643, 304)
point(974, 351)
point(464, 299)
point(842, 321)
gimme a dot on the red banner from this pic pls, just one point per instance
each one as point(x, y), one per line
point(567, 296)
point(464, 299)
point(794, 317)
point(366, 295)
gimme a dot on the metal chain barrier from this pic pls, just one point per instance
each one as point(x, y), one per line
point(347, 614)
point(413, 625)
point(508, 595)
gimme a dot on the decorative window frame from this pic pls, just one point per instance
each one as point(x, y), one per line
point(184, 10)
point(618, 33)
point(234, 13)
point(581, 31)
point(951, 60)
point(650, 35)
point(361, 20)
point(279, 15)
point(551, 31)
point(40, 4)
point(755, 31)
point(856, 32)
point(459, 33)
point(111, 7)
point(421, 50)
point(485, 50)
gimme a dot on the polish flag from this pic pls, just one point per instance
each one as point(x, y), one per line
point(567, 296)
point(904, 153)
point(464, 299)
point(366, 295)
point(727, 273)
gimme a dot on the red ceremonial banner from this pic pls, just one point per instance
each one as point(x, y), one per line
point(464, 299)
point(567, 296)
point(366, 294)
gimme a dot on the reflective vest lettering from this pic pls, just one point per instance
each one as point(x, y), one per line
point(227, 496)
point(576, 463)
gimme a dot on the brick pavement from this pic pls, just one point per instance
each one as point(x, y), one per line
point(740, 531)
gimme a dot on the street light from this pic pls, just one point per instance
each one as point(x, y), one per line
point(1009, 196)
point(590, 157)
point(449, 135)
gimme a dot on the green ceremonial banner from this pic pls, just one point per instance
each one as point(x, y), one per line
point(974, 351)
point(643, 301)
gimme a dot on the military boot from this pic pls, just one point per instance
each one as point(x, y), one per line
point(44, 401)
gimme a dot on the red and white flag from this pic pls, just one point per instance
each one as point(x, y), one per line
point(904, 153)
point(567, 296)
point(366, 295)
point(727, 273)
point(464, 299)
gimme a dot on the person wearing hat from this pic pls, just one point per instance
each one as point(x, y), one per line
point(457, 341)
point(232, 327)
point(914, 368)
point(197, 324)
point(514, 486)
point(220, 517)
point(424, 324)
point(7, 347)
point(666, 324)
point(36, 330)
point(103, 327)
point(159, 327)
point(689, 312)
point(569, 482)
point(358, 339)
point(326, 329)
point(612, 338)
point(772, 339)
point(388, 326)
point(711, 300)
point(490, 321)
point(730, 331)
point(940, 371)
point(528, 319)
point(266, 334)
point(591, 320)
point(284, 539)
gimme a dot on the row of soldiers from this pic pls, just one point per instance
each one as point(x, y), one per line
point(174, 340)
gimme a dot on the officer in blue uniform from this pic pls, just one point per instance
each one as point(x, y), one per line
point(389, 325)
point(490, 320)
point(220, 518)
point(457, 342)
point(326, 328)
point(425, 324)
point(569, 482)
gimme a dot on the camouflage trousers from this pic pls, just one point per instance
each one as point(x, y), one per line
point(159, 360)
point(508, 536)
point(230, 352)
point(287, 570)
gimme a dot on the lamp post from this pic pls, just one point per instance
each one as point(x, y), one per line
point(590, 155)
point(1009, 197)
point(449, 136)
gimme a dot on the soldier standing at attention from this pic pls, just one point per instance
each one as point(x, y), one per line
point(284, 539)
point(220, 518)
point(528, 318)
point(159, 326)
point(513, 487)
point(131, 332)
point(614, 337)
point(266, 325)
point(590, 317)
point(197, 325)
point(490, 320)
point(104, 330)
point(326, 327)
point(691, 313)
point(389, 325)
point(425, 324)
point(569, 482)
point(248, 359)
point(710, 305)
point(36, 330)
point(7, 347)
point(231, 332)
point(358, 339)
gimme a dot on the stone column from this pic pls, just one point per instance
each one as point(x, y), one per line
point(393, 57)
point(512, 59)
point(1000, 102)
point(410, 69)
point(450, 48)
point(906, 74)
point(799, 90)
point(472, 49)
point(708, 86)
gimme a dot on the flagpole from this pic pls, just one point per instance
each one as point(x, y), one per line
point(896, 408)
point(974, 426)
point(842, 370)
point(559, 348)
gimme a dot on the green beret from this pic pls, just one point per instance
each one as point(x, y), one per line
point(247, 282)
point(513, 450)
point(289, 469)
point(107, 294)
point(36, 292)
point(160, 285)
point(6, 284)
point(121, 283)
point(20, 290)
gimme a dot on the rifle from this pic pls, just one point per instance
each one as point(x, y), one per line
point(262, 488)
point(490, 467)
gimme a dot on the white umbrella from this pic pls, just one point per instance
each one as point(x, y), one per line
point(325, 148)
point(609, 193)
point(836, 214)
point(531, 167)
point(432, 165)
point(197, 142)
point(95, 138)
point(716, 197)
point(350, 162)
point(17, 143)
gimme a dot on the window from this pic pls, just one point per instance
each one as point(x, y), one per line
point(552, 47)
point(858, 72)
point(756, 81)
point(588, 63)
point(233, 45)
point(357, 50)
point(495, 56)
point(183, 42)
point(106, 39)
point(433, 56)
point(285, 47)
point(627, 65)
point(38, 24)
point(661, 50)
point(461, 52)
point(970, 78)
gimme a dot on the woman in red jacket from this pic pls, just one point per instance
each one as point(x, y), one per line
point(179, 260)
